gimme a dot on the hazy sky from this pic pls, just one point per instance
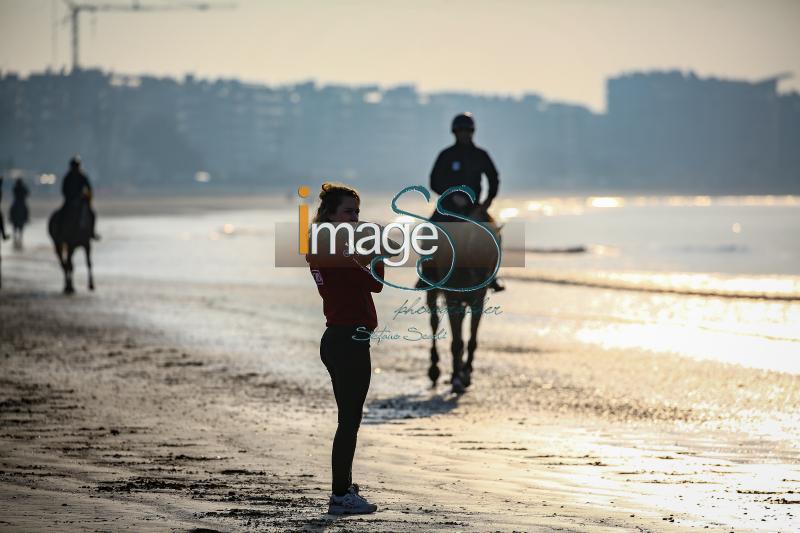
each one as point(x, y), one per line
point(562, 49)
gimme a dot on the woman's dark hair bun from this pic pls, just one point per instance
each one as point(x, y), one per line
point(327, 186)
point(330, 196)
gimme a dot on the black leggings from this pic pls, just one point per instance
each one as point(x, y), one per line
point(348, 363)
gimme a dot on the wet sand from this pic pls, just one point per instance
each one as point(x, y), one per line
point(177, 405)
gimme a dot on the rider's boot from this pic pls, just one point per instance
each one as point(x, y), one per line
point(496, 285)
point(95, 236)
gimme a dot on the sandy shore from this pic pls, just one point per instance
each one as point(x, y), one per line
point(197, 406)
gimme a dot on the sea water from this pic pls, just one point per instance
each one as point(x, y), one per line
point(704, 277)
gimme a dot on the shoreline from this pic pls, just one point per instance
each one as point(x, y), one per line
point(167, 204)
point(109, 202)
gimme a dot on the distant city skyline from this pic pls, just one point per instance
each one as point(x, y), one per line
point(664, 131)
point(562, 50)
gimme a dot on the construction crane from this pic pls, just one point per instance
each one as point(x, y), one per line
point(75, 11)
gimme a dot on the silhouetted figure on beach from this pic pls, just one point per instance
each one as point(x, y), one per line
point(346, 288)
point(72, 225)
point(463, 163)
point(475, 260)
point(18, 214)
point(2, 224)
point(77, 192)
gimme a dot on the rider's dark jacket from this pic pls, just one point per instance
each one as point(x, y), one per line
point(73, 185)
point(463, 164)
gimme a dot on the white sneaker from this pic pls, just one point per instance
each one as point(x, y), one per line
point(350, 503)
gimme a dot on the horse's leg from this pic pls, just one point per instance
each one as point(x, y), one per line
point(59, 249)
point(88, 250)
point(476, 312)
point(433, 371)
point(68, 288)
point(456, 315)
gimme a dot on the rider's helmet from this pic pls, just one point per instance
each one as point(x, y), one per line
point(463, 121)
point(75, 162)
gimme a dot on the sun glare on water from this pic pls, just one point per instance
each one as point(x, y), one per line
point(605, 201)
point(509, 212)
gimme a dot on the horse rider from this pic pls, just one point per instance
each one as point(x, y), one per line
point(77, 192)
point(18, 213)
point(2, 224)
point(463, 163)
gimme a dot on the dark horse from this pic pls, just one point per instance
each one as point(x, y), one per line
point(476, 261)
point(70, 228)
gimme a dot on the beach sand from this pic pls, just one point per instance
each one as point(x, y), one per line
point(175, 405)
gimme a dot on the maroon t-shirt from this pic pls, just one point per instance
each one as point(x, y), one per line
point(347, 292)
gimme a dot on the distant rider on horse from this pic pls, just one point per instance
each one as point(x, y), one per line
point(77, 193)
point(3, 234)
point(18, 213)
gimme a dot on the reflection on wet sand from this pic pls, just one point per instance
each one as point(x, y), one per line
point(180, 392)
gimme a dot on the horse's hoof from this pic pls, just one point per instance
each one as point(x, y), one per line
point(69, 290)
point(466, 375)
point(434, 373)
point(91, 286)
point(458, 387)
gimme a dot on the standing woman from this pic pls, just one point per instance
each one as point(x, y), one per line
point(346, 287)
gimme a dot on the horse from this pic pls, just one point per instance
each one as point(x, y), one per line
point(476, 261)
point(69, 228)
